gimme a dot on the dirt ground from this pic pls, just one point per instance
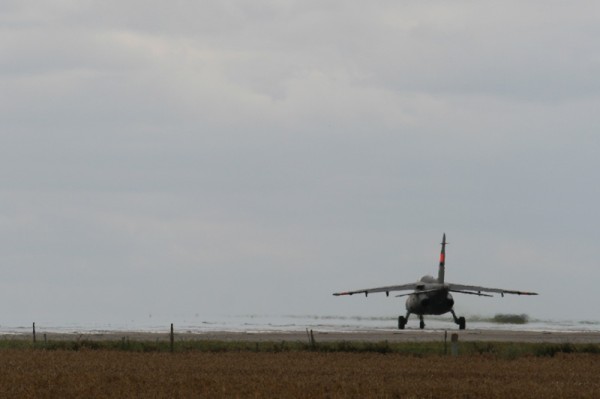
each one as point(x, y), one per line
point(116, 374)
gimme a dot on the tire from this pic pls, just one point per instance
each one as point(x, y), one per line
point(462, 323)
point(422, 325)
point(401, 322)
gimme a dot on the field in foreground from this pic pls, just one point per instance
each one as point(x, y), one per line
point(105, 373)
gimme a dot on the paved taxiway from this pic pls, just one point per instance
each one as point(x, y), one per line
point(322, 336)
point(413, 336)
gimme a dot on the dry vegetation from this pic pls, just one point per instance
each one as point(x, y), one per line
point(105, 373)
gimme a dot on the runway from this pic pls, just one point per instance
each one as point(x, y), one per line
point(412, 336)
point(583, 337)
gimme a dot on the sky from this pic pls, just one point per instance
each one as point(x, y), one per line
point(194, 159)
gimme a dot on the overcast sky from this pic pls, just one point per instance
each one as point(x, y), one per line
point(195, 158)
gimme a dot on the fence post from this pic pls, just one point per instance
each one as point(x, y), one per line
point(445, 342)
point(172, 339)
point(454, 344)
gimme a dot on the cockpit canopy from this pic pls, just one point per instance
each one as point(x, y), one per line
point(428, 279)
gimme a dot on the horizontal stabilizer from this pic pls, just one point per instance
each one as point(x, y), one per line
point(471, 293)
point(419, 292)
point(387, 290)
point(476, 288)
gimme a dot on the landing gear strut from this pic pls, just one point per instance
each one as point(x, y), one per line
point(462, 323)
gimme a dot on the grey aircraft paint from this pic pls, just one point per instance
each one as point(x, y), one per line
point(431, 296)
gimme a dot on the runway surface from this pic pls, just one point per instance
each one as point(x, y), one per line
point(413, 336)
point(364, 336)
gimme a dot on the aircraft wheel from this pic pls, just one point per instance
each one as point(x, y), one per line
point(422, 324)
point(401, 322)
point(462, 323)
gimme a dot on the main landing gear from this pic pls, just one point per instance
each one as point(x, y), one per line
point(462, 323)
point(402, 321)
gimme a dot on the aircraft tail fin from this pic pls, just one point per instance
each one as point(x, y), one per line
point(442, 268)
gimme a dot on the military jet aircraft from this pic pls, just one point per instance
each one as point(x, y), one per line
point(431, 296)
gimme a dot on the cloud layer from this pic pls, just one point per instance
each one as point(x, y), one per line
point(233, 158)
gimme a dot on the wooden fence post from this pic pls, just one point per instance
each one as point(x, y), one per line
point(172, 339)
point(445, 342)
point(454, 344)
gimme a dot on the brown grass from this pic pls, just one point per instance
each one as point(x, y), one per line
point(113, 374)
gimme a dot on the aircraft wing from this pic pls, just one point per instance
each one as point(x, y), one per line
point(478, 289)
point(387, 290)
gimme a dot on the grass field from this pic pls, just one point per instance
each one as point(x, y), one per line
point(89, 373)
point(508, 350)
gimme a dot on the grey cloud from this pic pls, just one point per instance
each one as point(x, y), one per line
point(228, 148)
